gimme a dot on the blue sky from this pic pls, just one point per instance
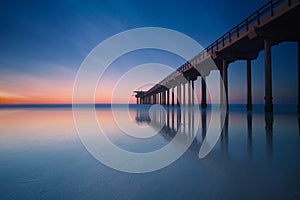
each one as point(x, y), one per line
point(44, 42)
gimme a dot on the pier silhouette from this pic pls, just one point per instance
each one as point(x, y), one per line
point(191, 125)
point(273, 23)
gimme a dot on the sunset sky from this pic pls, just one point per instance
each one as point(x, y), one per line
point(43, 43)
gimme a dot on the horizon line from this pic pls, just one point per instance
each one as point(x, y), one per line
point(109, 104)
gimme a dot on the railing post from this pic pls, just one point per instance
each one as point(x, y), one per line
point(258, 20)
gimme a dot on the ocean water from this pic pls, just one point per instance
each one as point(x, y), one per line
point(257, 155)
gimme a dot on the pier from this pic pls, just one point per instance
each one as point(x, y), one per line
point(273, 23)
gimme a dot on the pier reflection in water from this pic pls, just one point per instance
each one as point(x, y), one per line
point(173, 120)
point(235, 124)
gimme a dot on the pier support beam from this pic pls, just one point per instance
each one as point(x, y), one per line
point(221, 87)
point(183, 96)
point(298, 76)
point(193, 93)
point(179, 94)
point(172, 96)
point(160, 98)
point(168, 96)
point(189, 92)
point(249, 91)
point(203, 87)
point(164, 97)
point(268, 77)
point(224, 85)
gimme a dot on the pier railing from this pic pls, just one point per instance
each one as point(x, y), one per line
point(253, 20)
point(271, 9)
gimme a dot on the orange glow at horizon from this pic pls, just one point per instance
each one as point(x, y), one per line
point(49, 91)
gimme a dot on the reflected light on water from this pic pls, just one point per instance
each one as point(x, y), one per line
point(256, 156)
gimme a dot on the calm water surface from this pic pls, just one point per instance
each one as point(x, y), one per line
point(256, 157)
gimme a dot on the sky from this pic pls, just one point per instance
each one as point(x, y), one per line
point(43, 44)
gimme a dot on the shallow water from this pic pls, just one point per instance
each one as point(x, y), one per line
point(256, 157)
